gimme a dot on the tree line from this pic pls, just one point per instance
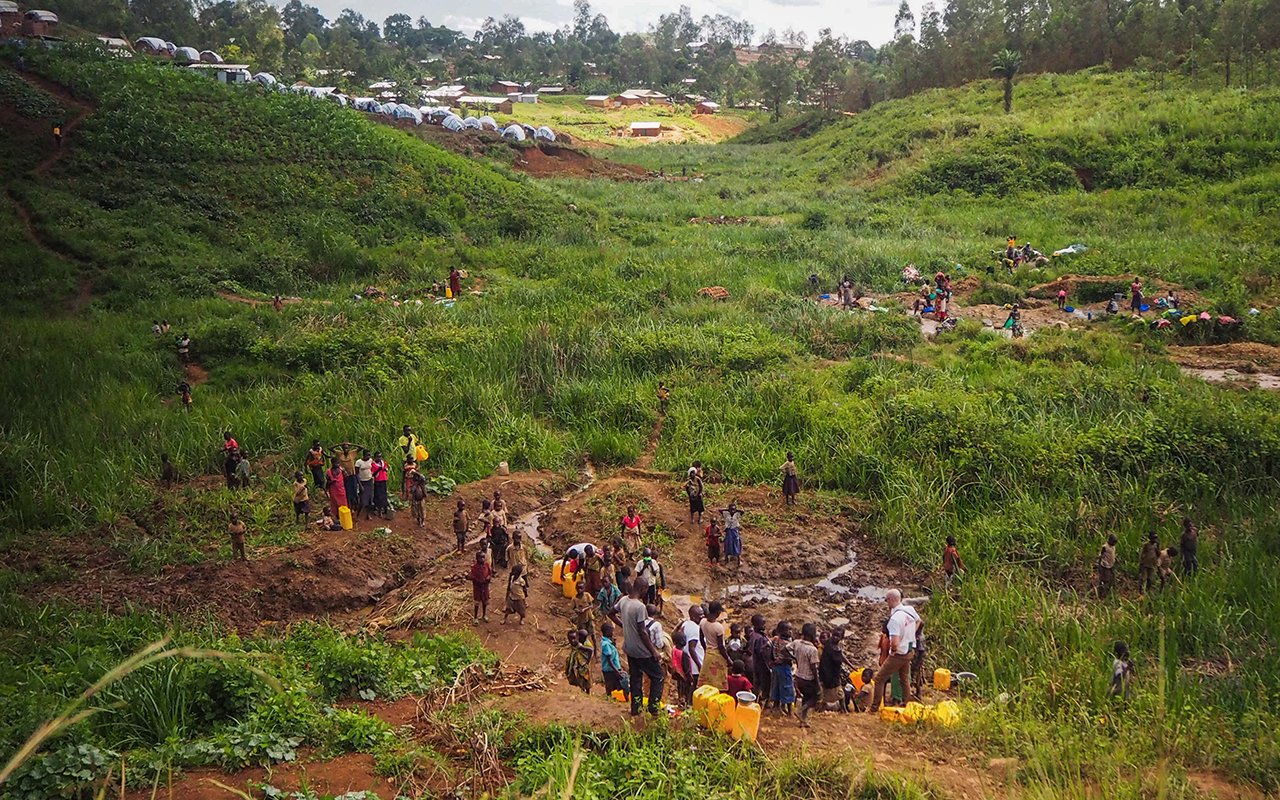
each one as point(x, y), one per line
point(945, 46)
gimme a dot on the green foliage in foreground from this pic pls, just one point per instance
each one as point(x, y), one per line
point(683, 763)
point(187, 713)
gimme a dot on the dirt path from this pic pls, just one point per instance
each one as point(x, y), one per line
point(651, 447)
point(84, 290)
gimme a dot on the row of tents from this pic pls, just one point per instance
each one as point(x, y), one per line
point(434, 115)
point(421, 115)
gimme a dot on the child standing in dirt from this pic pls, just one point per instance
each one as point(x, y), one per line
point(517, 555)
point(733, 533)
point(461, 524)
point(517, 594)
point(301, 498)
point(782, 693)
point(418, 497)
point(236, 529)
point(577, 667)
point(1062, 299)
point(610, 663)
point(952, 563)
point(790, 480)
point(632, 531)
point(481, 575)
point(682, 668)
point(584, 613)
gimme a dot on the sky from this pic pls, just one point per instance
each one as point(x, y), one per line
point(857, 19)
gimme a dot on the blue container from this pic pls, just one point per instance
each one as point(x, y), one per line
point(928, 309)
point(1144, 308)
point(1068, 309)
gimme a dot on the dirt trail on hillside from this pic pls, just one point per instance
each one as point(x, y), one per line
point(84, 287)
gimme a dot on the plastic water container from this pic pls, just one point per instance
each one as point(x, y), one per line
point(942, 680)
point(892, 714)
point(701, 698)
point(619, 695)
point(1144, 307)
point(746, 718)
point(719, 709)
point(421, 455)
point(914, 712)
point(555, 571)
point(1069, 309)
point(344, 516)
point(946, 713)
point(570, 585)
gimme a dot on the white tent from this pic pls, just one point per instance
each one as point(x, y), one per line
point(366, 104)
point(488, 124)
point(265, 78)
point(151, 44)
point(403, 111)
point(337, 98)
point(452, 123)
point(186, 54)
point(471, 123)
point(210, 57)
point(515, 133)
point(387, 109)
point(544, 133)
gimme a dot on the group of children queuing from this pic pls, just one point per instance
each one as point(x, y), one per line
point(1154, 562)
point(497, 550)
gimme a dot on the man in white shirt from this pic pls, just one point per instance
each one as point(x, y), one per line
point(364, 475)
point(693, 636)
point(903, 623)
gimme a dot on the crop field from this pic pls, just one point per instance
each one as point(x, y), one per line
point(346, 664)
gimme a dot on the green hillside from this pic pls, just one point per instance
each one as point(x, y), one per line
point(178, 199)
point(178, 181)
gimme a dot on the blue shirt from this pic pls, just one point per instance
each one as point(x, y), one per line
point(609, 661)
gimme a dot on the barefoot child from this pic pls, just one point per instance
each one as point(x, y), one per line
point(577, 667)
point(481, 576)
point(713, 542)
point(517, 594)
point(681, 668)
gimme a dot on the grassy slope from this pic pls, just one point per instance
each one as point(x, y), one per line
point(1028, 451)
point(1185, 182)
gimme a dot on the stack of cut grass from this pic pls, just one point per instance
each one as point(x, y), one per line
point(422, 609)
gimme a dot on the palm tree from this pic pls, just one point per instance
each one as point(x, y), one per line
point(1005, 64)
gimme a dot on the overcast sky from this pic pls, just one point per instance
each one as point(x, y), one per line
point(858, 19)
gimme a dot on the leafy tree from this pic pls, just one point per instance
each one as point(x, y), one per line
point(827, 66)
point(1005, 64)
point(776, 74)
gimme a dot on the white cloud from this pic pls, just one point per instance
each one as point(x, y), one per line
point(863, 19)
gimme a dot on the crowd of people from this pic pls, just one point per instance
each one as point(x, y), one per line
point(790, 674)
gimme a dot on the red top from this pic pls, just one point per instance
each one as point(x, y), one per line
point(230, 444)
point(713, 536)
point(631, 522)
point(379, 469)
point(481, 573)
point(738, 683)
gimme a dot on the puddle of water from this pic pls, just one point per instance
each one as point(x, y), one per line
point(529, 524)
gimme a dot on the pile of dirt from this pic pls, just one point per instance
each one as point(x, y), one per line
point(1247, 357)
point(550, 160)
